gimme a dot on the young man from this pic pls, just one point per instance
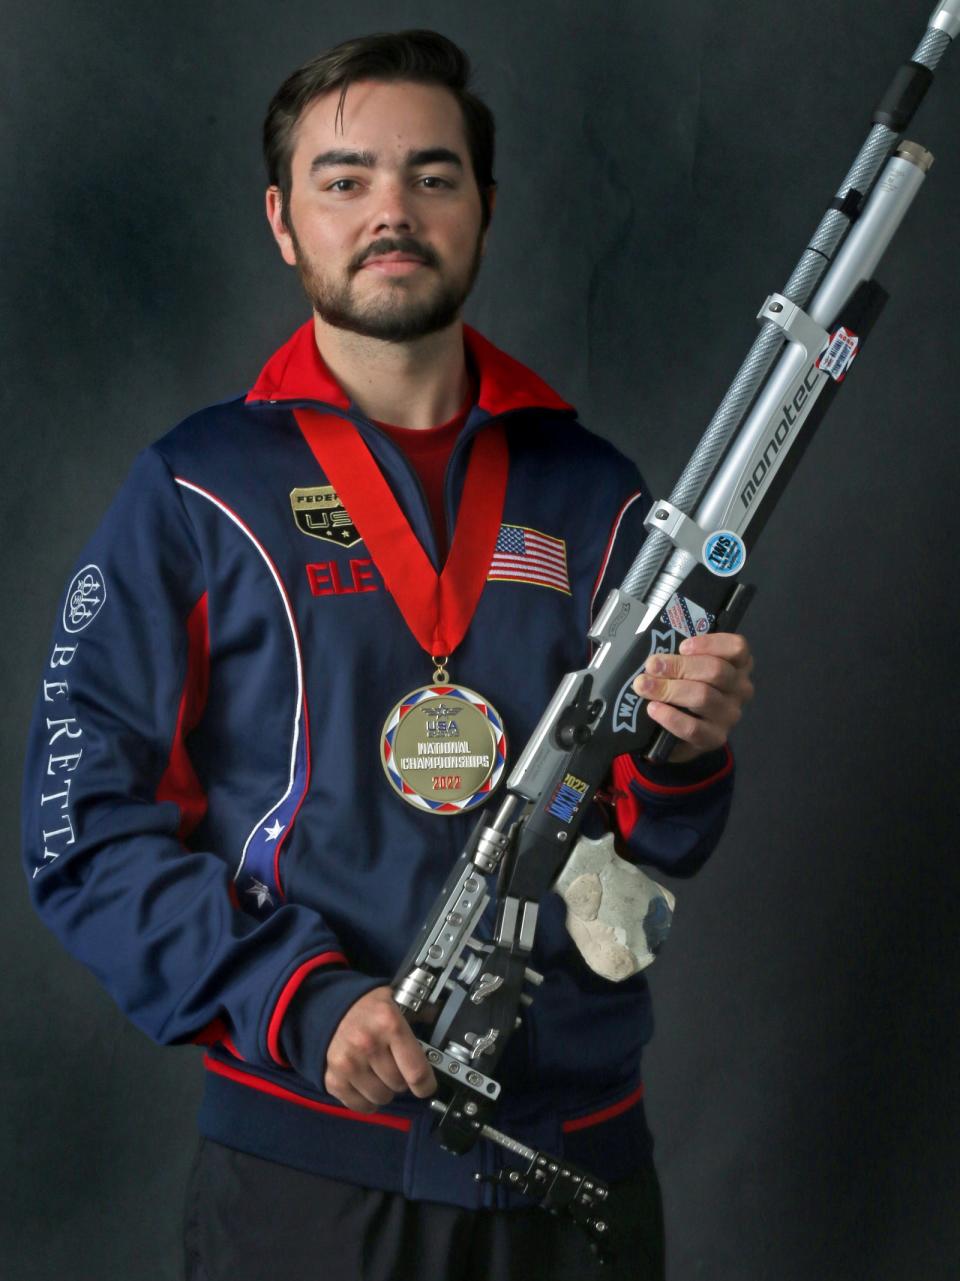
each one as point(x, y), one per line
point(215, 823)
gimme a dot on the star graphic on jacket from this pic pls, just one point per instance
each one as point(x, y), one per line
point(274, 832)
point(260, 892)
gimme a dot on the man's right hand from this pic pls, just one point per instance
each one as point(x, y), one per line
point(374, 1055)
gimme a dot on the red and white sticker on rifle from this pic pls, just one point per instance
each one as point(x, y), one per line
point(837, 356)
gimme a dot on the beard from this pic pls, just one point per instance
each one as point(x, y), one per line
point(395, 316)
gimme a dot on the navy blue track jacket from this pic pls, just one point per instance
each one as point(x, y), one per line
point(207, 824)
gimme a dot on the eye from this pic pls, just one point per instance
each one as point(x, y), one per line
point(343, 185)
point(432, 182)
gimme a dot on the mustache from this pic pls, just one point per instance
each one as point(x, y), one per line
point(398, 245)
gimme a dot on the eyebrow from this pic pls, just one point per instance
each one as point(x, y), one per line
point(433, 156)
point(339, 156)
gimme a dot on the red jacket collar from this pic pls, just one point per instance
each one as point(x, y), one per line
point(297, 372)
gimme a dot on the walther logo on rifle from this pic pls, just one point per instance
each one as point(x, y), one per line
point(790, 416)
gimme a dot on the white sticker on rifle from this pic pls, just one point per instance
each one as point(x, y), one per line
point(837, 357)
point(686, 617)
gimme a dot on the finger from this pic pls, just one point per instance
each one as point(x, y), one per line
point(716, 672)
point(676, 690)
point(364, 1082)
point(703, 735)
point(343, 1089)
point(350, 1098)
point(385, 1067)
point(727, 645)
point(412, 1064)
point(701, 699)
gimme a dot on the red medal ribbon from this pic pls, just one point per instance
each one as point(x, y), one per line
point(438, 608)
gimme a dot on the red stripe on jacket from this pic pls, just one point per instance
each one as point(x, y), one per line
point(605, 1114)
point(290, 989)
point(278, 1091)
point(179, 782)
point(398, 1122)
point(631, 771)
point(628, 806)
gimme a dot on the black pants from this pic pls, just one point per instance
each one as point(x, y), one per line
point(253, 1220)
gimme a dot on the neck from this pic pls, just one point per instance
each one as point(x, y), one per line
point(418, 385)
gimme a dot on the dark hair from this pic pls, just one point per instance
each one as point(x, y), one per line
point(423, 57)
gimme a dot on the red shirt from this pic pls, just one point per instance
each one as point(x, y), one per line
point(429, 452)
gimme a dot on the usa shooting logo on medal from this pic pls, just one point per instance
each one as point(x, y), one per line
point(319, 512)
point(443, 749)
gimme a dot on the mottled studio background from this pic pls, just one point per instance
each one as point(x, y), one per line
point(660, 168)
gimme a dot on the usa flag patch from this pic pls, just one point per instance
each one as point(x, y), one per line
point(526, 556)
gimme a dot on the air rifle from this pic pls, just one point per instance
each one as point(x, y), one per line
point(685, 578)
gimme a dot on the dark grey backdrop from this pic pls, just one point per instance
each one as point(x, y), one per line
point(660, 167)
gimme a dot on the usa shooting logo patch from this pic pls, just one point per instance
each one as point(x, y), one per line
point(319, 512)
point(85, 597)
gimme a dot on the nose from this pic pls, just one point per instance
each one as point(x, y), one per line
point(394, 210)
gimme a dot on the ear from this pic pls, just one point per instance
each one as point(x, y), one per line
point(281, 232)
point(491, 205)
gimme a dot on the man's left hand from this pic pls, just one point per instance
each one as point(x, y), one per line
point(699, 693)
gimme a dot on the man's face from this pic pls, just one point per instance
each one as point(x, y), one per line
point(385, 213)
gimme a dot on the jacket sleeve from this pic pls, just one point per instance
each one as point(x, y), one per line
point(668, 816)
point(157, 923)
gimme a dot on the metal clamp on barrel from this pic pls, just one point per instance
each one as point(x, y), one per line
point(795, 323)
point(685, 534)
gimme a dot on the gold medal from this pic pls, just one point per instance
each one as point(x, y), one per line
point(443, 748)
